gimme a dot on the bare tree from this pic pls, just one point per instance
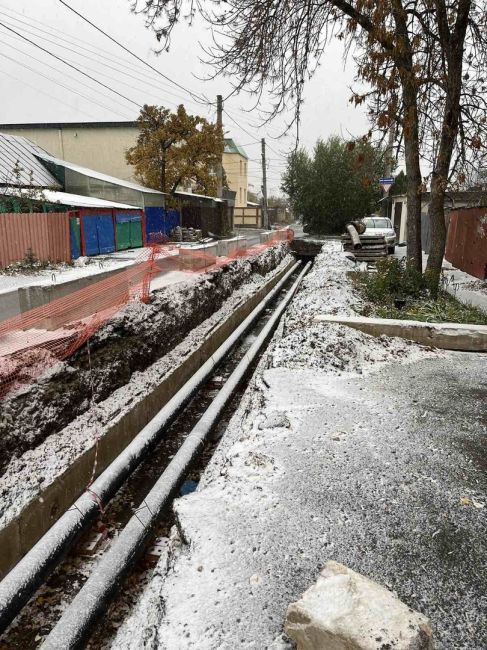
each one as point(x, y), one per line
point(424, 61)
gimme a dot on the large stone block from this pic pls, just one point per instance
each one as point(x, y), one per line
point(344, 610)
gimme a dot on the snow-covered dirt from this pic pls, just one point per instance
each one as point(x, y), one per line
point(334, 348)
point(344, 447)
point(31, 422)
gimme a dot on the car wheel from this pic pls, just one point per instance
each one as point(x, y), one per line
point(392, 250)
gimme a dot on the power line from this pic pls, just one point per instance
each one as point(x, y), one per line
point(39, 90)
point(55, 81)
point(72, 47)
point(70, 65)
point(136, 56)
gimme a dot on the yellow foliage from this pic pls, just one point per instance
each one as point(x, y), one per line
point(176, 148)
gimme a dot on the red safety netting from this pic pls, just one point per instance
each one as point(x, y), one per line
point(36, 340)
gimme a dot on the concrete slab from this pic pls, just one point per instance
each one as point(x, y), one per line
point(447, 336)
point(230, 247)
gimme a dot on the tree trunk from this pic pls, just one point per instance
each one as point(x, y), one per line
point(414, 184)
point(413, 208)
point(404, 62)
point(438, 233)
point(453, 45)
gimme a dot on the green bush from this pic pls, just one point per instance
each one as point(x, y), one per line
point(394, 280)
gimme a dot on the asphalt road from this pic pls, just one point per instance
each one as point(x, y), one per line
point(384, 473)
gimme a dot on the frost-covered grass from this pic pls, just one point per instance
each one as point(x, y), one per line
point(397, 291)
point(445, 309)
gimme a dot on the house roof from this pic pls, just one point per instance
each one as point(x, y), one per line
point(21, 152)
point(68, 125)
point(233, 147)
point(74, 200)
point(199, 196)
point(85, 171)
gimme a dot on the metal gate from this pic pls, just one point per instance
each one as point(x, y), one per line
point(98, 233)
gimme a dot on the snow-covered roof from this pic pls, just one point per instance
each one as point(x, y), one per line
point(199, 196)
point(73, 200)
point(85, 171)
point(19, 152)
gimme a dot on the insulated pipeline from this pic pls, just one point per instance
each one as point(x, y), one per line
point(29, 574)
point(76, 623)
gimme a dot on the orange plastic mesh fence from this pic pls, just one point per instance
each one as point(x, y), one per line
point(36, 340)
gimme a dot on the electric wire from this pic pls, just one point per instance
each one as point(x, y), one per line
point(72, 48)
point(136, 56)
point(44, 92)
point(57, 82)
point(70, 65)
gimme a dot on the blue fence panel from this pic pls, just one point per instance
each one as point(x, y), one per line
point(106, 233)
point(159, 223)
point(154, 224)
point(74, 237)
point(173, 219)
point(90, 232)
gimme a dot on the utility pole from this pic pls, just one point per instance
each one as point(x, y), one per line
point(219, 168)
point(264, 187)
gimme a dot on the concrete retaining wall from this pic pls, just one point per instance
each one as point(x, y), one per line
point(447, 336)
point(265, 236)
point(230, 247)
point(197, 257)
point(21, 533)
point(23, 299)
point(9, 304)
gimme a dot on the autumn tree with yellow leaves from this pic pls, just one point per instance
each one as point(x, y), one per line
point(176, 149)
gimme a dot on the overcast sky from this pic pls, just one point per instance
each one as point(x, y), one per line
point(63, 94)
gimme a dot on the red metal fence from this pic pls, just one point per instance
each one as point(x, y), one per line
point(466, 246)
point(46, 235)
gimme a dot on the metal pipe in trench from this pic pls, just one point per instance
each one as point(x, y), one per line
point(75, 625)
point(28, 575)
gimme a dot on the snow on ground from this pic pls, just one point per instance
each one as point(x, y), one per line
point(343, 449)
point(461, 285)
point(327, 289)
point(83, 267)
point(381, 472)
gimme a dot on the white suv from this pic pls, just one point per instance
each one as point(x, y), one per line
point(375, 225)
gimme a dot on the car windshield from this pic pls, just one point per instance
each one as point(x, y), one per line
point(378, 223)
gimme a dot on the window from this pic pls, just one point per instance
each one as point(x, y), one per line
point(371, 222)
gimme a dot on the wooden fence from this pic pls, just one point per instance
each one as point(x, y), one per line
point(247, 217)
point(46, 234)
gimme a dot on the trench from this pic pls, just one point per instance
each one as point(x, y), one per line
point(40, 615)
point(133, 340)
